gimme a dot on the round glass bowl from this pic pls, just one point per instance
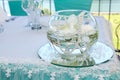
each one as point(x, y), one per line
point(72, 33)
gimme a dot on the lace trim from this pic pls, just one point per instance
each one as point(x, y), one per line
point(38, 69)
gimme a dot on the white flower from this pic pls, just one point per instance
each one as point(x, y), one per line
point(52, 76)
point(29, 73)
point(72, 21)
point(101, 77)
point(72, 25)
point(86, 39)
point(67, 31)
point(76, 77)
point(87, 29)
point(8, 71)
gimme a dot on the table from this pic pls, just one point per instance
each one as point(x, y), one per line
point(19, 59)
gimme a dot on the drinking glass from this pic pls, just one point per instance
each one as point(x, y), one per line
point(33, 10)
point(3, 16)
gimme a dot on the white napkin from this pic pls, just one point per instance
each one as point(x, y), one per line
point(3, 15)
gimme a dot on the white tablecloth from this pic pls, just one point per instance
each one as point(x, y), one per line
point(19, 59)
point(18, 42)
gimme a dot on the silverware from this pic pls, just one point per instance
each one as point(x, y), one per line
point(10, 19)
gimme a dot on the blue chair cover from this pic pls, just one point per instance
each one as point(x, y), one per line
point(73, 4)
point(16, 9)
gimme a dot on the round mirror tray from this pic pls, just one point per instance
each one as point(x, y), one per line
point(99, 53)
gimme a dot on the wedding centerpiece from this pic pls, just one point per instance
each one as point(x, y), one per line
point(72, 33)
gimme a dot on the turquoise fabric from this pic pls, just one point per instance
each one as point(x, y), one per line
point(73, 4)
point(16, 9)
point(44, 71)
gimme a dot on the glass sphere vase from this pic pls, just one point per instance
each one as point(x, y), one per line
point(72, 33)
